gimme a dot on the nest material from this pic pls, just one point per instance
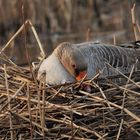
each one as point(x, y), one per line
point(32, 110)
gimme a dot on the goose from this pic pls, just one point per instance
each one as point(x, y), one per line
point(71, 62)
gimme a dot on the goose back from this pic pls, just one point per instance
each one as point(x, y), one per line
point(98, 55)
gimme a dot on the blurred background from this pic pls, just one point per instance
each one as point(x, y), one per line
point(57, 21)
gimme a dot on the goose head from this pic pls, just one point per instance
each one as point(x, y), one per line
point(72, 59)
point(65, 65)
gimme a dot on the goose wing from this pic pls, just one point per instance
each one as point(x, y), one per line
point(98, 55)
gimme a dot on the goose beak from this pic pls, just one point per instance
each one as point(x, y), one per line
point(81, 75)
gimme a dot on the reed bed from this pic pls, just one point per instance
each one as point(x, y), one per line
point(99, 108)
point(30, 109)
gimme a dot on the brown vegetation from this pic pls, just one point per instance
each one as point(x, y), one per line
point(30, 109)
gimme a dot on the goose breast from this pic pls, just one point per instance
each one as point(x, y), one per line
point(53, 72)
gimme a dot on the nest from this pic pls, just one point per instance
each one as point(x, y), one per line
point(90, 109)
point(32, 110)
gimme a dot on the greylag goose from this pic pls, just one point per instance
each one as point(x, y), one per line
point(71, 62)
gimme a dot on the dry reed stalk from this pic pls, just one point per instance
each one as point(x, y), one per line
point(123, 103)
point(81, 81)
point(72, 128)
point(76, 138)
point(16, 93)
point(26, 23)
point(37, 39)
point(55, 93)
point(125, 88)
point(131, 127)
point(118, 135)
point(43, 113)
point(98, 99)
point(88, 34)
point(124, 76)
point(101, 91)
point(9, 105)
point(13, 37)
point(25, 39)
point(129, 91)
point(138, 26)
point(8, 60)
point(28, 120)
point(38, 112)
point(114, 39)
point(29, 109)
point(134, 21)
point(67, 122)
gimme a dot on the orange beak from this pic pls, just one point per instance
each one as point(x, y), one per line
point(81, 75)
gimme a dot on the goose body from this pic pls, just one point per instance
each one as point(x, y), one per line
point(68, 60)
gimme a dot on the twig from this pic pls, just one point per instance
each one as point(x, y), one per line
point(134, 21)
point(29, 109)
point(37, 39)
point(16, 93)
point(88, 34)
point(118, 135)
point(8, 94)
point(113, 104)
point(133, 129)
point(43, 113)
point(125, 88)
point(101, 91)
point(114, 40)
point(26, 23)
point(28, 120)
point(124, 75)
point(138, 26)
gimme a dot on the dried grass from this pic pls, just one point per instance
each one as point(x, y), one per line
point(33, 110)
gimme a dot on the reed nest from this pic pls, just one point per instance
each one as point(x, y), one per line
point(30, 109)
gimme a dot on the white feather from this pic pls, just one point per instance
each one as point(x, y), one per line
point(55, 72)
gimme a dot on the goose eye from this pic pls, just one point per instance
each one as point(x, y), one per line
point(74, 66)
